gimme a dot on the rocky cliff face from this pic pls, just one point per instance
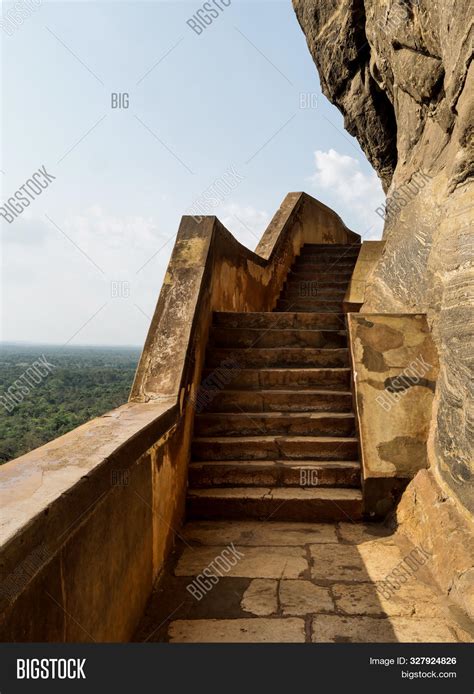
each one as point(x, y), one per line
point(401, 73)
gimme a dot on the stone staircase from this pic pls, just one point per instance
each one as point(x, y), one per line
point(276, 438)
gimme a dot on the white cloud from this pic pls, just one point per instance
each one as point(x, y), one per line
point(245, 222)
point(55, 279)
point(120, 242)
point(353, 194)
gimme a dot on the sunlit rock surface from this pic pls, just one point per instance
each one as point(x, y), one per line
point(400, 71)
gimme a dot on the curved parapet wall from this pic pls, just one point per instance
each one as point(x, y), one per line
point(369, 255)
point(88, 519)
point(210, 271)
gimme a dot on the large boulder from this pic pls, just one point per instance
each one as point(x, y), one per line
point(400, 71)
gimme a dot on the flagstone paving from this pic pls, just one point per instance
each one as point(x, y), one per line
point(295, 582)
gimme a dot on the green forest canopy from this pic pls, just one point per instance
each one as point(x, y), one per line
point(84, 382)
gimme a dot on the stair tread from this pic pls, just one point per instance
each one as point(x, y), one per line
point(321, 293)
point(331, 246)
point(329, 493)
point(271, 349)
point(284, 319)
point(327, 264)
point(302, 275)
point(278, 415)
point(298, 370)
point(354, 464)
point(335, 257)
point(315, 369)
point(276, 391)
point(328, 271)
point(263, 313)
point(274, 437)
point(339, 331)
point(307, 303)
point(266, 337)
point(280, 357)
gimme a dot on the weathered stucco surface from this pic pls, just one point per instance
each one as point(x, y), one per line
point(80, 542)
point(369, 255)
point(401, 73)
point(395, 367)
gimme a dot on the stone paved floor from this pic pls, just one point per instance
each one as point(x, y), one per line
point(296, 582)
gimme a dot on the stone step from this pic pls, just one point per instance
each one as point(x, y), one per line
point(274, 473)
point(326, 261)
point(277, 357)
point(305, 273)
point(337, 259)
point(271, 447)
point(335, 251)
point(258, 337)
point(309, 305)
point(271, 320)
point(312, 284)
point(280, 504)
point(331, 247)
point(312, 292)
point(247, 379)
point(342, 257)
point(318, 269)
point(274, 401)
point(277, 423)
point(326, 258)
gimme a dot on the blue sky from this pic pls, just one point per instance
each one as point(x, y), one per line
point(231, 98)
